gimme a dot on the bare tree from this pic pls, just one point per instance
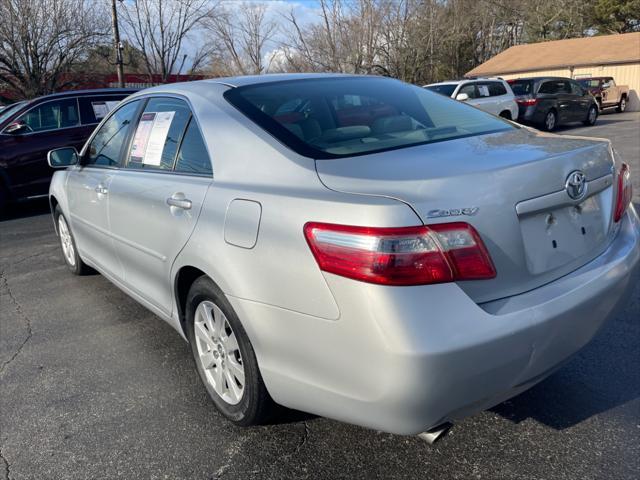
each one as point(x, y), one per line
point(41, 40)
point(160, 28)
point(243, 31)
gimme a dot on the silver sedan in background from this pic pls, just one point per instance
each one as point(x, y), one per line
point(354, 247)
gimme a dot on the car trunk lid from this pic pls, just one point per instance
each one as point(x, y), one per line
point(511, 187)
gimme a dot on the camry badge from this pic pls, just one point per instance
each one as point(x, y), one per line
point(453, 212)
point(576, 185)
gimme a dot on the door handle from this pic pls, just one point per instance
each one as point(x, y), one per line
point(101, 189)
point(178, 200)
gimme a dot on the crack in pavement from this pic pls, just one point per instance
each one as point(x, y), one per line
point(4, 288)
point(7, 467)
point(24, 259)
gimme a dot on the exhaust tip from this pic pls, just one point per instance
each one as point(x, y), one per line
point(436, 433)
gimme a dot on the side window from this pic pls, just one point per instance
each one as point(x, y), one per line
point(107, 144)
point(565, 87)
point(576, 89)
point(611, 81)
point(469, 89)
point(52, 115)
point(496, 89)
point(483, 90)
point(94, 109)
point(158, 134)
point(193, 156)
point(549, 87)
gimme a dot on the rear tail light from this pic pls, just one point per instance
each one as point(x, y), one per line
point(623, 198)
point(401, 256)
point(527, 101)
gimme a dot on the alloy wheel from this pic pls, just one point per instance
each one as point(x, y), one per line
point(218, 352)
point(550, 121)
point(66, 241)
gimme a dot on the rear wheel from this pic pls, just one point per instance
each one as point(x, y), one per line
point(592, 116)
point(622, 106)
point(68, 244)
point(224, 357)
point(550, 121)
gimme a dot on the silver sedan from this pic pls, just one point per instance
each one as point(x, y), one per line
point(354, 247)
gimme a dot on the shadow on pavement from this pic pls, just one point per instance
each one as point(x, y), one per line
point(26, 209)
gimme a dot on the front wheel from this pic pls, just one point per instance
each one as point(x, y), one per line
point(68, 244)
point(622, 106)
point(224, 357)
point(592, 116)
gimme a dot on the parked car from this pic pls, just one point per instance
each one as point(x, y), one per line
point(397, 274)
point(28, 130)
point(606, 92)
point(548, 102)
point(492, 95)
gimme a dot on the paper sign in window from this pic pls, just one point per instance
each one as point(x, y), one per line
point(100, 109)
point(157, 138)
point(484, 90)
point(141, 137)
point(150, 137)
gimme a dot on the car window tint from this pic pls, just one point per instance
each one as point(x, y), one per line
point(576, 89)
point(52, 115)
point(483, 90)
point(107, 144)
point(554, 86)
point(521, 87)
point(158, 134)
point(469, 89)
point(445, 89)
point(94, 109)
point(358, 115)
point(496, 89)
point(193, 156)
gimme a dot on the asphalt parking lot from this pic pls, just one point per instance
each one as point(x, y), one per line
point(95, 386)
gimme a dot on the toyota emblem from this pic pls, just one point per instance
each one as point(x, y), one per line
point(576, 185)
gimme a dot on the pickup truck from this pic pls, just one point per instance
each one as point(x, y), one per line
point(607, 93)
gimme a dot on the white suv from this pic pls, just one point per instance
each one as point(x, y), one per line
point(492, 95)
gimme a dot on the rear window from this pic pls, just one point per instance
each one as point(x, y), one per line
point(521, 87)
point(342, 117)
point(589, 83)
point(446, 90)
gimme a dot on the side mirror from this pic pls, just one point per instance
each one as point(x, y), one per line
point(17, 128)
point(462, 97)
point(62, 157)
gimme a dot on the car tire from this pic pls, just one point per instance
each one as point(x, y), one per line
point(622, 106)
point(68, 245)
point(550, 121)
point(220, 333)
point(592, 116)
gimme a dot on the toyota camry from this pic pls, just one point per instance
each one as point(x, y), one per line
point(354, 247)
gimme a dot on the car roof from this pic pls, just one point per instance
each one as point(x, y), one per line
point(95, 91)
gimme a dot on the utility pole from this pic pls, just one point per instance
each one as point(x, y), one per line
point(118, 45)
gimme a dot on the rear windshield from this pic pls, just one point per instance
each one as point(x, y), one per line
point(521, 87)
point(446, 90)
point(589, 83)
point(342, 117)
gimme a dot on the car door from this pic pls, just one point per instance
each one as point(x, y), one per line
point(51, 124)
point(581, 101)
point(483, 99)
point(155, 199)
point(88, 189)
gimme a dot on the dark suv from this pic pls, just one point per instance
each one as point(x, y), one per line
point(28, 130)
point(551, 101)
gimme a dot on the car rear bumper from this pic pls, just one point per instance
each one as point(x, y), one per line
point(404, 359)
